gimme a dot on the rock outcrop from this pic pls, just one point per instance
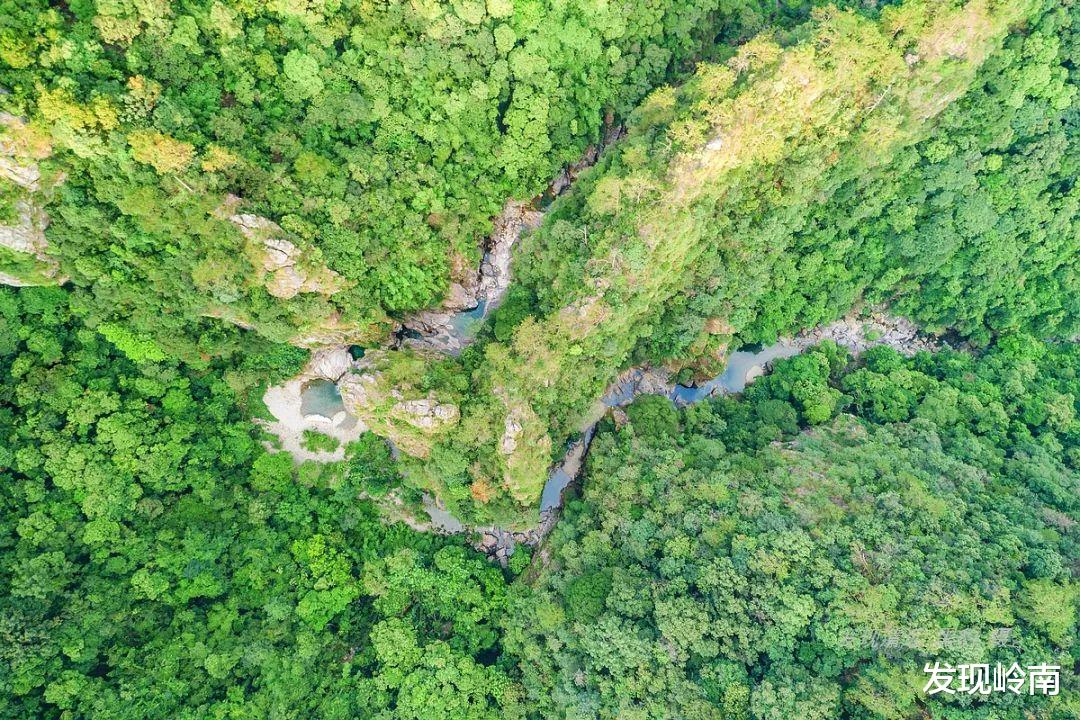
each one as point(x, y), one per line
point(382, 391)
point(426, 413)
point(27, 262)
point(27, 236)
point(333, 329)
point(512, 430)
point(495, 269)
point(19, 153)
point(287, 270)
point(463, 293)
point(330, 363)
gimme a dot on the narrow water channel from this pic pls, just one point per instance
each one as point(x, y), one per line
point(742, 367)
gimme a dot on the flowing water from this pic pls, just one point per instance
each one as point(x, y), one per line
point(565, 472)
point(440, 518)
point(738, 370)
point(467, 323)
point(742, 367)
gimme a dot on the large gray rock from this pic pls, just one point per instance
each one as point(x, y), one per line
point(437, 332)
point(512, 429)
point(495, 270)
point(330, 363)
point(26, 236)
point(286, 270)
point(426, 413)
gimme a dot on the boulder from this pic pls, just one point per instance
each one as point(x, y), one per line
point(330, 363)
point(753, 373)
point(426, 413)
point(512, 428)
point(27, 236)
point(459, 297)
point(286, 270)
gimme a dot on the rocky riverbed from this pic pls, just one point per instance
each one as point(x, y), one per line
point(855, 333)
point(474, 293)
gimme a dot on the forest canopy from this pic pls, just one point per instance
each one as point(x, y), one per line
point(865, 165)
point(740, 558)
point(205, 202)
point(722, 562)
point(382, 138)
point(160, 563)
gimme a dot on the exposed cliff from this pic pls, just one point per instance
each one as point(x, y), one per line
point(24, 258)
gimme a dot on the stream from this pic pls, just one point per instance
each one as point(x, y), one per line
point(312, 401)
point(742, 368)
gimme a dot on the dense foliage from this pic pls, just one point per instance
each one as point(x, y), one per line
point(719, 565)
point(220, 183)
point(382, 136)
point(976, 229)
point(159, 563)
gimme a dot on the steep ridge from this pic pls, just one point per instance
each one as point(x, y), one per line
point(736, 153)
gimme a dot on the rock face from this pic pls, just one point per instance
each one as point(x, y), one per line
point(27, 176)
point(362, 392)
point(381, 390)
point(16, 165)
point(333, 330)
point(287, 272)
point(495, 270)
point(718, 326)
point(330, 363)
point(460, 297)
point(472, 295)
point(511, 432)
point(26, 237)
point(464, 285)
point(433, 330)
point(427, 413)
